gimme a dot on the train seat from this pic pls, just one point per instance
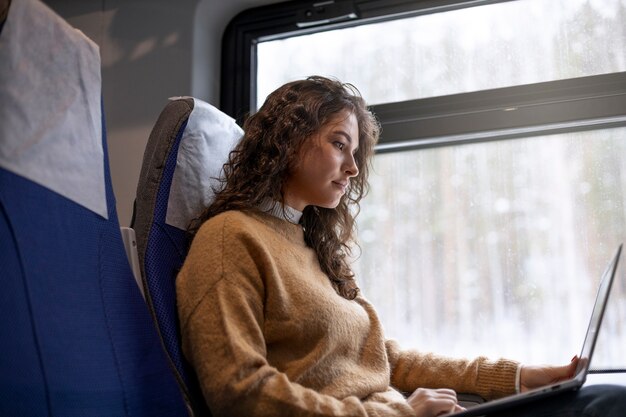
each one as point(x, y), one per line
point(184, 155)
point(76, 338)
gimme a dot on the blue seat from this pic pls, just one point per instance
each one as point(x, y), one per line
point(188, 145)
point(76, 338)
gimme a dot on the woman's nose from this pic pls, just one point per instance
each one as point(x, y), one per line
point(351, 168)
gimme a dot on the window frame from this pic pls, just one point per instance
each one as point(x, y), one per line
point(568, 105)
point(301, 17)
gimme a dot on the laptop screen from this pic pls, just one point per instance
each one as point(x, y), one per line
point(597, 314)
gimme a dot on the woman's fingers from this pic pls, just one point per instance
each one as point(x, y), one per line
point(433, 402)
point(457, 409)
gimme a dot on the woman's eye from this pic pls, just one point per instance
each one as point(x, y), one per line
point(340, 145)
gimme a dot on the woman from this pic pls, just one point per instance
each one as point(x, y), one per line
point(271, 317)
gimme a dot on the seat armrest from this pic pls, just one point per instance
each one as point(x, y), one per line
point(130, 244)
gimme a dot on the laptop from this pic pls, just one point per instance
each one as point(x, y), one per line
point(582, 370)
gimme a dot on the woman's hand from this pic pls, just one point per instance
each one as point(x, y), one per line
point(538, 376)
point(434, 402)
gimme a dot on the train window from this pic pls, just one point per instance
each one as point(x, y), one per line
point(485, 248)
point(471, 49)
point(499, 185)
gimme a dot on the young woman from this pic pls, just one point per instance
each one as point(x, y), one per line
point(271, 316)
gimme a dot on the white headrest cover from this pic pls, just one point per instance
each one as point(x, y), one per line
point(50, 115)
point(209, 137)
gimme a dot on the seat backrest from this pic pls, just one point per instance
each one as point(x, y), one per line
point(76, 338)
point(187, 148)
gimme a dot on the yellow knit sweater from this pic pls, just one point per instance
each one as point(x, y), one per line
point(268, 335)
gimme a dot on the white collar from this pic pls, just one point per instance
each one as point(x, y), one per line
point(281, 211)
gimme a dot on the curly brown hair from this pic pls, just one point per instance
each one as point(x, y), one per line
point(260, 163)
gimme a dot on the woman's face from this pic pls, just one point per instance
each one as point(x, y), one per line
point(326, 163)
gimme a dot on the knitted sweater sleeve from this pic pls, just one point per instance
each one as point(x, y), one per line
point(489, 379)
point(220, 295)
